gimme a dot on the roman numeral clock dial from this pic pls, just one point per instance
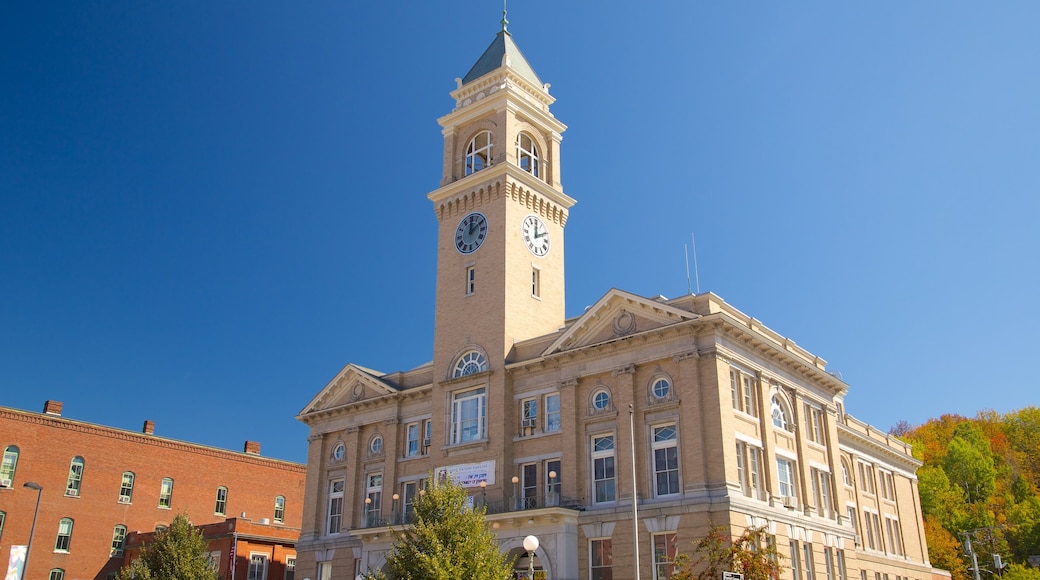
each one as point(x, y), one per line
point(536, 235)
point(471, 233)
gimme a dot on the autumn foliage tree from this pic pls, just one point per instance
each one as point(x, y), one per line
point(750, 553)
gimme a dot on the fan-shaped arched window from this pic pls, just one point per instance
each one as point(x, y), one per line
point(781, 414)
point(478, 153)
point(846, 472)
point(527, 154)
point(470, 363)
point(75, 477)
point(8, 466)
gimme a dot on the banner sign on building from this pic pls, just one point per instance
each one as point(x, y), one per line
point(16, 563)
point(470, 474)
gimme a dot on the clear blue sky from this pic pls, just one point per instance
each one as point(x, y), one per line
point(208, 208)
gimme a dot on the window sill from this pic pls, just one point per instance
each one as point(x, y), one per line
point(164, 507)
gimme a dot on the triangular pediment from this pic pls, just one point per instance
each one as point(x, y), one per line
point(350, 385)
point(616, 315)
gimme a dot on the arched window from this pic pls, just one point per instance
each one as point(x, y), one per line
point(781, 415)
point(8, 466)
point(527, 154)
point(75, 477)
point(126, 488)
point(279, 509)
point(64, 540)
point(57, 574)
point(846, 472)
point(118, 537)
point(470, 363)
point(221, 506)
point(478, 154)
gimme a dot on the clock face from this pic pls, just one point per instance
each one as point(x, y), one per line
point(536, 235)
point(471, 233)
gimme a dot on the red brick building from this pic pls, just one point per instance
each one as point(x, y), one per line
point(101, 483)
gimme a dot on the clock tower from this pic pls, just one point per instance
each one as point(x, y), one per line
point(501, 212)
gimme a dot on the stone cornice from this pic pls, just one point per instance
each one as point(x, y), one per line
point(400, 396)
point(144, 439)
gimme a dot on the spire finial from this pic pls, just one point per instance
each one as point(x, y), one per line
point(505, 23)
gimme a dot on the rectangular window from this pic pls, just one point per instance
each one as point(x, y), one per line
point(866, 478)
point(535, 282)
point(257, 567)
point(75, 477)
point(877, 531)
point(664, 554)
point(552, 482)
point(471, 279)
point(290, 568)
point(851, 510)
point(529, 416)
point(427, 429)
point(796, 566)
point(743, 391)
point(552, 413)
point(814, 423)
point(603, 469)
point(221, 506)
point(64, 539)
point(279, 509)
point(821, 482)
point(410, 490)
point(166, 493)
point(126, 488)
point(373, 498)
point(213, 559)
point(666, 460)
point(529, 485)
point(601, 559)
point(895, 542)
point(412, 438)
point(734, 389)
point(785, 472)
point(810, 565)
point(741, 470)
point(3, 516)
point(335, 514)
point(749, 471)
point(828, 561)
point(886, 483)
point(750, 405)
point(468, 413)
point(843, 573)
point(8, 466)
point(118, 537)
point(325, 570)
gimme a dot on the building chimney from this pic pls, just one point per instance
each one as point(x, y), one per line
point(53, 407)
point(252, 447)
point(149, 428)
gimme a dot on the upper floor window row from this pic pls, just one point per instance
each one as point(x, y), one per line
point(743, 389)
point(8, 466)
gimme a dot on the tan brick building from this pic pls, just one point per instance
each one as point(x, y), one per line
point(698, 411)
point(101, 483)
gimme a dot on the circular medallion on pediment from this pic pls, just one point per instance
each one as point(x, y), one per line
point(624, 324)
point(357, 393)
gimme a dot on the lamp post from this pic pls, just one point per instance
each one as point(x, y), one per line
point(516, 498)
point(368, 512)
point(531, 545)
point(483, 493)
point(396, 497)
point(553, 492)
point(32, 530)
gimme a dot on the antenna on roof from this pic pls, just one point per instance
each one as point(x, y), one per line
point(686, 250)
point(696, 274)
point(505, 22)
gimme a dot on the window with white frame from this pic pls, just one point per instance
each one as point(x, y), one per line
point(660, 388)
point(785, 475)
point(872, 530)
point(290, 568)
point(529, 485)
point(257, 567)
point(334, 520)
point(213, 561)
point(468, 415)
point(796, 566)
point(375, 445)
point(220, 507)
point(603, 476)
point(744, 391)
point(279, 509)
point(894, 533)
point(373, 497)
point(821, 482)
point(75, 477)
point(126, 487)
point(887, 484)
point(814, 423)
point(64, 539)
point(843, 573)
point(828, 561)
point(664, 551)
point(166, 493)
point(3, 516)
point(552, 413)
point(528, 415)
point(749, 469)
point(411, 440)
point(470, 363)
point(846, 473)
point(853, 519)
point(325, 570)
point(780, 413)
point(56, 574)
point(601, 400)
point(471, 280)
point(527, 153)
point(601, 559)
point(118, 538)
point(552, 479)
point(427, 430)
point(666, 460)
point(8, 466)
point(808, 561)
point(479, 152)
point(866, 478)
point(410, 491)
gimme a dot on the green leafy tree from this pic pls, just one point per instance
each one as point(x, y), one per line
point(449, 541)
point(969, 463)
point(1021, 572)
point(178, 553)
point(751, 553)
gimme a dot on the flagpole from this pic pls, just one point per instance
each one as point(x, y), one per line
point(635, 492)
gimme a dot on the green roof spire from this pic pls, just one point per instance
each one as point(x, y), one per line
point(505, 23)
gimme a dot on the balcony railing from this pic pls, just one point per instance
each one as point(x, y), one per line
point(514, 504)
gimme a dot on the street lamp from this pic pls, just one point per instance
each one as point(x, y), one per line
point(516, 497)
point(553, 492)
point(368, 512)
point(396, 497)
point(32, 531)
point(483, 493)
point(531, 545)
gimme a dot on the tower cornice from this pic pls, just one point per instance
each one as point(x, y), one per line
point(496, 177)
